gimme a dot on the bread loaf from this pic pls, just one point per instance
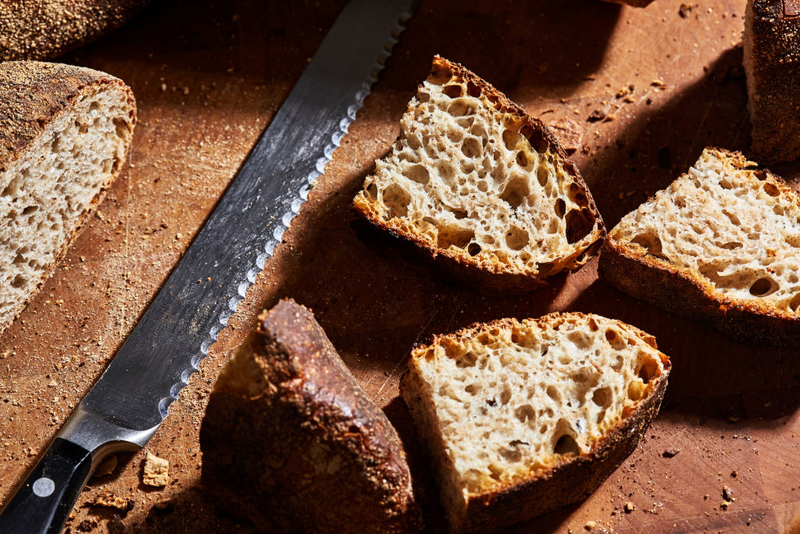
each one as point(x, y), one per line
point(481, 187)
point(522, 417)
point(291, 441)
point(44, 29)
point(772, 65)
point(721, 244)
point(65, 133)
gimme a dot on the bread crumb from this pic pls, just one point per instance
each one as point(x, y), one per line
point(629, 507)
point(684, 10)
point(110, 500)
point(156, 471)
point(670, 453)
point(590, 525)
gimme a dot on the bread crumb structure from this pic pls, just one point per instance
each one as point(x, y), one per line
point(522, 417)
point(721, 242)
point(475, 181)
point(65, 136)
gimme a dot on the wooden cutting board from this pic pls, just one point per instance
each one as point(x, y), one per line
point(636, 93)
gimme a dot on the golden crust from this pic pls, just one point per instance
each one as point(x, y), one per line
point(680, 290)
point(48, 28)
point(485, 275)
point(309, 451)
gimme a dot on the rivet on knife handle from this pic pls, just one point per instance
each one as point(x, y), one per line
point(130, 400)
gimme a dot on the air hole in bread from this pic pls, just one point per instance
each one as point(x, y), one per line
point(771, 189)
point(473, 90)
point(467, 360)
point(472, 148)
point(794, 304)
point(602, 397)
point(454, 236)
point(525, 414)
point(510, 139)
point(18, 281)
point(459, 108)
point(30, 209)
point(453, 91)
point(505, 396)
point(522, 159)
point(579, 224)
point(372, 192)
point(417, 173)
point(552, 392)
point(397, 200)
point(515, 191)
point(473, 389)
point(566, 444)
point(581, 340)
point(577, 195)
point(560, 207)
point(473, 249)
point(122, 129)
point(763, 287)
point(647, 371)
point(593, 325)
point(516, 238)
point(12, 189)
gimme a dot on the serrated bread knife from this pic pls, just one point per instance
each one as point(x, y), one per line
point(126, 406)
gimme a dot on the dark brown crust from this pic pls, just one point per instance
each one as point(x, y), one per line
point(541, 139)
point(44, 29)
point(674, 289)
point(32, 95)
point(567, 483)
point(772, 64)
point(311, 453)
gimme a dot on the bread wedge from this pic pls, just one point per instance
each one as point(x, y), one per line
point(484, 189)
point(65, 133)
point(720, 244)
point(522, 417)
point(291, 442)
point(772, 64)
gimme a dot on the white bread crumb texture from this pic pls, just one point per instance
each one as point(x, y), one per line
point(464, 180)
point(734, 228)
point(45, 192)
point(519, 397)
point(155, 471)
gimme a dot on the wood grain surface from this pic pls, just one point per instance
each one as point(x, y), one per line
point(637, 93)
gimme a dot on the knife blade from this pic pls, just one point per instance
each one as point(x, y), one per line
point(129, 401)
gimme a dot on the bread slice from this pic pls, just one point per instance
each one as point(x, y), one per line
point(65, 133)
point(46, 28)
point(721, 244)
point(482, 187)
point(772, 64)
point(291, 441)
point(523, 417)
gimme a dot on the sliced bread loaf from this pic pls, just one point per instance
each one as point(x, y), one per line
point(482, 187)
point(64, 136)
point(522, 417)
point(772, 63)
point(720, 243)
point(291, 441)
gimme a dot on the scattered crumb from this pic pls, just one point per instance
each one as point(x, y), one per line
point(684, 10)
point(727, 493)
point(156, 471)
point(629, 507)
point(596, 115)
point(590, 525)
point(670, 453)
point(657, 83)
point(734, 474)
point(110, 500)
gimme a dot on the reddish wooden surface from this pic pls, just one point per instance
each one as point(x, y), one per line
point(208, 77)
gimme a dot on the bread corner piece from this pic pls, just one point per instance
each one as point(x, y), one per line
point(772, 64)
point(481, 187)
point(64, 137)
point(721, 244)
point(291, 442)
point(523, 417)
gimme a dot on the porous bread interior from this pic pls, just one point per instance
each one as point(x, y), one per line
point(45, 192)
point(518, 398)
point(463, 180)
point(721, 224)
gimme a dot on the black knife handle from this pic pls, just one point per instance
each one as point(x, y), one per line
point(43, 502)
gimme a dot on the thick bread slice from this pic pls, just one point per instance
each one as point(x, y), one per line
point(481, 186)
point(772, 64)
point(721, 243)
point(65, 133)
point(43, 29)
point(523, 417)
point(291, 441)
